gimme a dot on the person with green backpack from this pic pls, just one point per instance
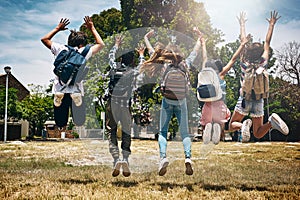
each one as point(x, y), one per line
point(255, 87)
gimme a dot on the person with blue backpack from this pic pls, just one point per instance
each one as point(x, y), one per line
point(68, 94)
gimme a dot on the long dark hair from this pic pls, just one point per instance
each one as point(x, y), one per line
point(170, 54)
point(253, 52)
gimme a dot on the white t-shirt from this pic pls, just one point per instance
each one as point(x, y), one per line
point(56, 48)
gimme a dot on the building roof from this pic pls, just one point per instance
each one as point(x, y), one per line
point(14, 83)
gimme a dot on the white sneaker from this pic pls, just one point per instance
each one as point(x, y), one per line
point(58, 98)
point(216, 134)
point(188, 167)
point(206, 137)
point(117, 167)
point(246, 130)
point(125, 167)
point(163, 164)
point(278, 124)
point(76, 98)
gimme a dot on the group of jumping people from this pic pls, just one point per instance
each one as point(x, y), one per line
point(168, 66)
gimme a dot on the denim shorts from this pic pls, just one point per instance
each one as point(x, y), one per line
point(255, 108)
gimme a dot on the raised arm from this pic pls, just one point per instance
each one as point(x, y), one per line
point(204, 52)
point(273, 19)
point(147, 42)
point(112, 52)
point(99, 42)
point(190, 59)
point(46, 40)
point(234, 58)
point(242, 20)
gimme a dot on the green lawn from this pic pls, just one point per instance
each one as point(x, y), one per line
point(81, 169)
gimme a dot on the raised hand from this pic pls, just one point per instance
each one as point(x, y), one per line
point(150, 33)
point(198, 32)
point(140, 48)
point(119, 40)
point(242, 18)
point(273, 19)
point(64, 22)
point(88, 22)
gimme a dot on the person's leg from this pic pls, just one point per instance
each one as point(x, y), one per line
point(112, 126)
point(182, 117)
point(79, 113)
point(165, 117)
point(260, 129)
point(125, 119)
point(61, 113)
point(206, 122)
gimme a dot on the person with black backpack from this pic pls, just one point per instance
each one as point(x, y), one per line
point(118, 95)
point(255, 88)
point(69, 95)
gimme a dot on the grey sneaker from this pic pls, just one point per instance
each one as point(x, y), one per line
point(246, 130)
point(278, 124)
point(163, 164)
point(125, 167)
point(216, 134)
point(207, 133)
point(188, 167)
point(117, 167)
point(77, 98)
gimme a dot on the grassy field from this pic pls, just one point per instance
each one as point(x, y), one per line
point(81, 169)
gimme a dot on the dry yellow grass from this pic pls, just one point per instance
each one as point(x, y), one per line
point(81, 169)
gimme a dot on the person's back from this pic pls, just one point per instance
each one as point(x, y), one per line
point(64, 95)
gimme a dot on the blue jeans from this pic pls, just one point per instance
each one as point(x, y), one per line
point(179, 108)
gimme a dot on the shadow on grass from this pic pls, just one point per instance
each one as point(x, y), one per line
point(210, 187)
point(78, 181)
point(125, 184)
point(240, 187)
point(166, 186)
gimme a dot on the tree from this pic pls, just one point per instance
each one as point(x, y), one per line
point(289, 62)
point(12, 109)
point(37, 108)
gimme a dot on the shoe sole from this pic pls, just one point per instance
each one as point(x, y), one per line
point(58, 100)
point(282, 124)
point(188, 169)
point(206, 134)
point(77, 99)
point(163, 170)
point(246, 136)
point(116, 170)
point(126, 171)
point(215, 138)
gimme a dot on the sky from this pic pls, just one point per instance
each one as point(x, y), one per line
point(25, 22)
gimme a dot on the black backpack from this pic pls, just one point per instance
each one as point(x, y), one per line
point(69, 66)
point(121, 81)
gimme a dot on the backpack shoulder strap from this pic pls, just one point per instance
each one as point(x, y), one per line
point(85, 50)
